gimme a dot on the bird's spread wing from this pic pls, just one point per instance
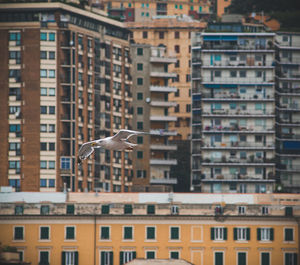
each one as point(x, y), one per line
point(85, 151)
point(125, 134)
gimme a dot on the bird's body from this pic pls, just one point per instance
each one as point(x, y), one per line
point(117, 142)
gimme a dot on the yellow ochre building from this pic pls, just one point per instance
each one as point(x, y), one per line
point(113, 229)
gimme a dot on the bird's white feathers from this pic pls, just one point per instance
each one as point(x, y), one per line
point(117, 142)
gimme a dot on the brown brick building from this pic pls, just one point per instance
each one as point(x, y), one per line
point(65, 79)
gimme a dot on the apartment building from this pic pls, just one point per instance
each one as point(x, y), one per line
point(233, 118)
point(288, 110)
point(169, 32)
point(151, 105)
point(211, 229)
point(65, 80)
point(140, 11)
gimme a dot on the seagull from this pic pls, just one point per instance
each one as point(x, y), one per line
point(117, 142)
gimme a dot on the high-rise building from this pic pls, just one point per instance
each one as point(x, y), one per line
point(233, 112)
point(151, 104)
point(288, 110)
point(65, 80)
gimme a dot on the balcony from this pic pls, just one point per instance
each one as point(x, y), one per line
point(289, 107)
point(228, 47)
point(163, 104)
point(163, 74)
point(288, 92)
point(232, 80)
point(163, 132)
point(170, 181)
point(161, 59)
point(237, 113)
point(288, 168)
point(235, 97)
point(236, 129)
point(288, 123)
point(163, 147)
point(240, 145)
point(163, 118)
point(228, 161)
point(163, 89)
point(163, 162)
point(290, 136)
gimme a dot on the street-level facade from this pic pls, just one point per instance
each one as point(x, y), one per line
point(199, 228)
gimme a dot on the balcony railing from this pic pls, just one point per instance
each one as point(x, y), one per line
point(240, 145)
point(235, 97)
point(167, 162)
point(164, 89)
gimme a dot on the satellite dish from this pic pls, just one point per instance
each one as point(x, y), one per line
point(148, 100)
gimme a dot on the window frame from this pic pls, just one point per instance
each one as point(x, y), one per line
point(171, 233)
point(40, 233)
point(146, 233)
point(66, 233)
point(101, 238)
point(14, 233)
point(124, 227)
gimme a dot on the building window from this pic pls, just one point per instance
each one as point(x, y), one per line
point(177, 48)
point(139, 96)
point(44, 258)
point(177, 64)
point(290, 259)
point(240, 233)
point(139, 110)
point(70, 232)
point(141, 174)
point(43, 55)
point(145, 34)
point(105, 233)
point(45, 209)
point(218, 233)
point(139, 81)
point(65, 163)
point(151, 209)
point(51, 36)
point(44, 232)
point(51, 146)
point(106, 258)
point(174, 255)
point(139, 125)
point(140, 154)
point(43, 109)
point(140, 140)
point(177, 34)
point(43, 73)
point(43, 183)
point(174, 233)
point(105, 209)
point(264, 258)
point(243, 73)
point(127, 233)
point(51, 109)
point(242, 258)
point(150, 254)
point(161, 35)
point(51, 183)
point(126, 256)
point(127, 209)
point(19, 233)
point(43, 146)
point(140, 51)
point(140, 67)
point(150, 233)
point(70, 209)
point(43, 36)
point(43, 164)
point(265, 234)
point(265, 210)
point(288, 234)
point(219, 259)
point(70, 257)
point(242, 209)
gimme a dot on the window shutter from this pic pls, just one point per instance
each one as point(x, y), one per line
point(225, 233)
point(111, 258)
point(63, 258)
point(258, 234)
point(212, 233)
point(235, 233)
point(295, 258)
point(76, 257)
point(121, 257)
point(150, 233)
point(272, 234)
point(248, 233)
point(102, 257)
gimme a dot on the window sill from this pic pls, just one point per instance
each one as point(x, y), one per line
point(150, 240)
point(70, 240)
point(44, 240)
point(18, 240)
point(128, 240)
point(105, 240)
point(174, 240)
